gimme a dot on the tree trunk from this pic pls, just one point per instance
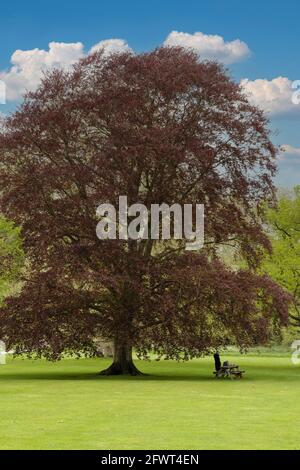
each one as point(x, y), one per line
point(122, 361)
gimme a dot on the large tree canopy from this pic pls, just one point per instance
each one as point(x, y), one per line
point(160, 127)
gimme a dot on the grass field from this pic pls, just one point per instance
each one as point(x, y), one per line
point(66, 405)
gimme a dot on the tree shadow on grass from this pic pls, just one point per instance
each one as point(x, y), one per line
point(257, 372)
point(88, 376)
point(250, 376)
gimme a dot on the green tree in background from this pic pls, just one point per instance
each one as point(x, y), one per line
point(283, 265)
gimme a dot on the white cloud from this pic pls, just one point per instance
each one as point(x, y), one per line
point(28, 66)
point(273, 96)
point(111, 46)
point(210, 46)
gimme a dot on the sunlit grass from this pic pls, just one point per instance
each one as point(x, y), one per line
point(66, 405)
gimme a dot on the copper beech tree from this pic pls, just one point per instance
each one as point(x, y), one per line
point(159, 127)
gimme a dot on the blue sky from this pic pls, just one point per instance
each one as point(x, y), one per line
point(270, 30)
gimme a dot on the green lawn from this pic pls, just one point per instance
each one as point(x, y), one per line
point(66, 405)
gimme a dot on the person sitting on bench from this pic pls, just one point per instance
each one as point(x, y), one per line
point(227, 370)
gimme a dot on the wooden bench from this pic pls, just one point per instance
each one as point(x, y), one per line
point(230, 371)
